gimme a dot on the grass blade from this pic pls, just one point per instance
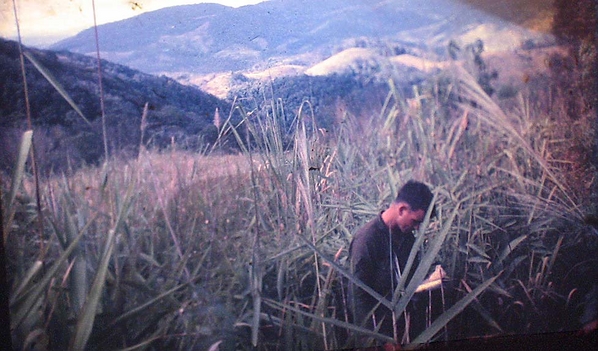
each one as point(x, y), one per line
point(510, 247)
point(23, 309)
point(424, 266)
point(143, 307)
point(28, 280)
point(331, 321)
point(17, 178)
point(447, 316)
point(78, 276)
point(52, 80)
point(88, 313)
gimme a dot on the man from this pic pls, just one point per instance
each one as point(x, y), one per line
point(378, 254)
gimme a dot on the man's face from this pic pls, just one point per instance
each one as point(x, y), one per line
point(409, 220)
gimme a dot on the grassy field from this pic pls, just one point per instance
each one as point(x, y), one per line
point(174, 250)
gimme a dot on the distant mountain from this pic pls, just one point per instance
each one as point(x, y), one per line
point(176, 112)
point(205, 44)
point(207, 38)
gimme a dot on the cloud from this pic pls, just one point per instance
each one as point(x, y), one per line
point(58, 17)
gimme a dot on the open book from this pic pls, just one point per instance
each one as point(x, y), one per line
point(434, 281)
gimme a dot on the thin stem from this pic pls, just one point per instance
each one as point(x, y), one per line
point(40, 216)
point(104, 133)
point(22, 58)
point(256, 273)
point(5, 332)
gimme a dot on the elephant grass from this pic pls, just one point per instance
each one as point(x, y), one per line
point(179, 250)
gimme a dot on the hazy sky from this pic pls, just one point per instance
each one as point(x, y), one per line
point(43, 22)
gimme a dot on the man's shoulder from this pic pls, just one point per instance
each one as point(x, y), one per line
point(370, 227)
point(369, 230)
point(367, 240)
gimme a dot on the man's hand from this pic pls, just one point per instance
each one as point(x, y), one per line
point(434, 280)
point(438, 274)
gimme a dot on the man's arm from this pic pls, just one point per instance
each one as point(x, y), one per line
point(363, 268)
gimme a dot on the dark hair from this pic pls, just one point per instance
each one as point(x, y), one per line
point(416, 194)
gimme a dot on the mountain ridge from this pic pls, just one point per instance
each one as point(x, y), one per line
point(208, 38)
point(203, 44)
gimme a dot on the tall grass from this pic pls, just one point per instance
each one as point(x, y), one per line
point(187, 251)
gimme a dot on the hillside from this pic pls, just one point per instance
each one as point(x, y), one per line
point(208, 38)
point(206, 44)
point(175, 112)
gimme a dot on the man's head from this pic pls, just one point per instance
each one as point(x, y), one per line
point(409, 208)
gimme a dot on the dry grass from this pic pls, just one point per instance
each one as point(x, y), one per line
point(182, 251)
